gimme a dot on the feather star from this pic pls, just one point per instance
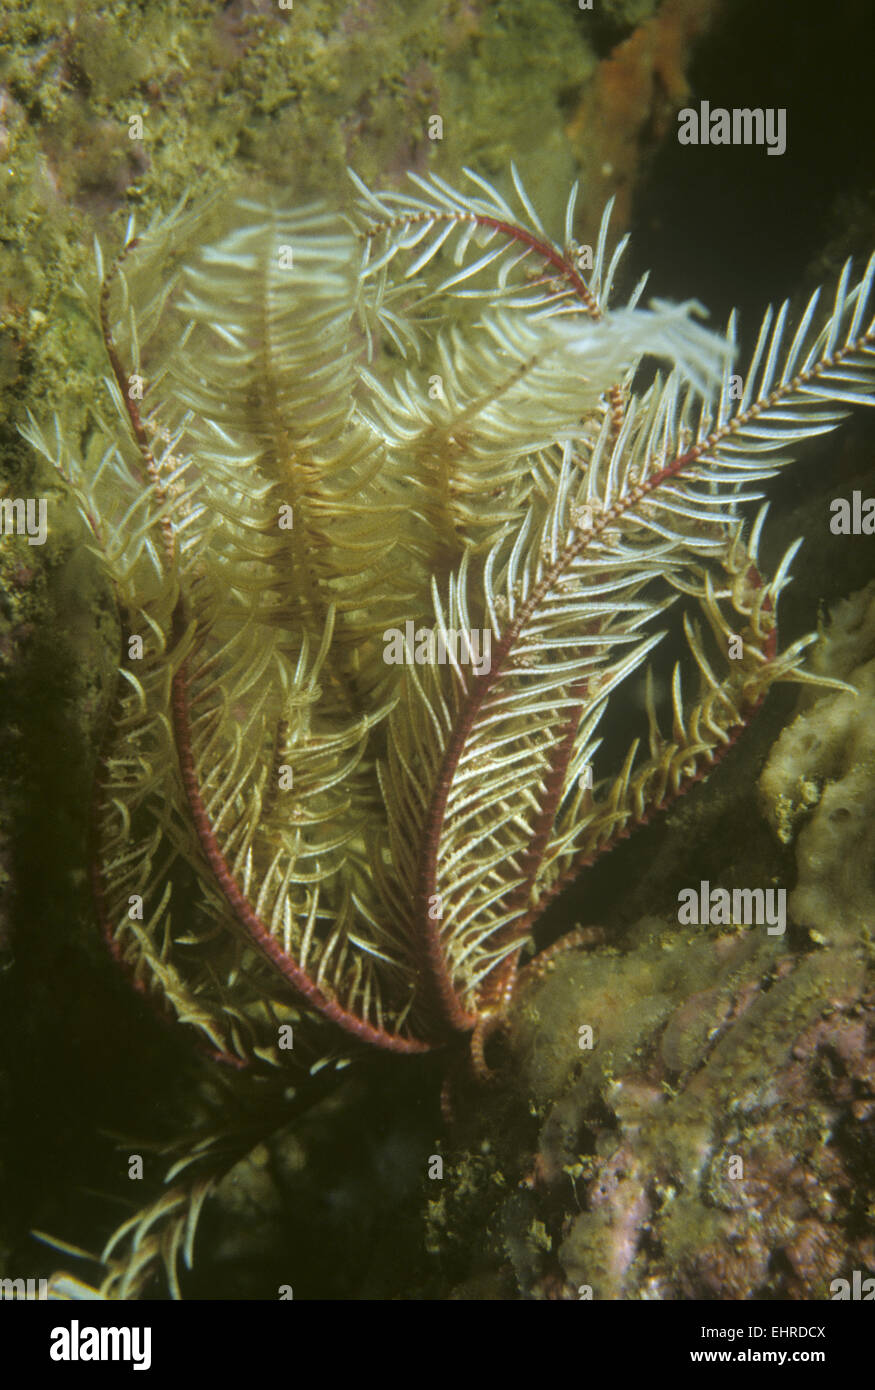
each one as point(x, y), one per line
point(344, 453)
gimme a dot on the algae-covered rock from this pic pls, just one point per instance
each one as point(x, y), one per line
point(711, 1145)
point(819, 784)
